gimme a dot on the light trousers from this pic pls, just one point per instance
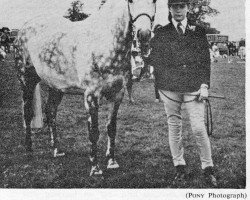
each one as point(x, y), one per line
point(195, 109)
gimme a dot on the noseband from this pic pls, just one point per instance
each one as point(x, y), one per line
point(142, 14)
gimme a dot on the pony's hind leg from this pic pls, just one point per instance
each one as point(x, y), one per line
point(111, 129)
point(29, 80)
point(130, 88)
point(91, 104)
point(54, 99)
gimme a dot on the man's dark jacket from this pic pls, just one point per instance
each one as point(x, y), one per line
point(181, 62)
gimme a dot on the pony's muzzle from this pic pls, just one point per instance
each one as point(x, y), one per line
point(144, 36)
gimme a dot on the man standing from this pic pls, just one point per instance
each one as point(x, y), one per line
point(180, 55)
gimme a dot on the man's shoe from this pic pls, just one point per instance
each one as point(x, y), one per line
point(180, 177)
point(209, 176)
point(180, 173)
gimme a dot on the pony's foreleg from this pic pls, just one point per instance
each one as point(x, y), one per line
point(111, 129)
point(92, 106)
point(54, 99)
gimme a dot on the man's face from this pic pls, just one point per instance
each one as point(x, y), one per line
point(179, 11)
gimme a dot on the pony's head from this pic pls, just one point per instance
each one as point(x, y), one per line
point(142, 14)
point(137, 62)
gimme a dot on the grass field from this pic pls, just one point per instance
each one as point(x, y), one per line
point(142, 140)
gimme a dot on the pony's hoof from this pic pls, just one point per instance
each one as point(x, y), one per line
point(112, 164)
point(28, 147)
point(57, 154)
point(95, 170)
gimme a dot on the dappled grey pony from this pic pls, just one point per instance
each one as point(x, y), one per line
point(91, 57)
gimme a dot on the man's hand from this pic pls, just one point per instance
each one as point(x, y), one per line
point(203, 92)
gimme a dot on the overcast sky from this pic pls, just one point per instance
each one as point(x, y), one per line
point(230, 21)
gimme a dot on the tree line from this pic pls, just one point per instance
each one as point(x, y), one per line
point(199, 10)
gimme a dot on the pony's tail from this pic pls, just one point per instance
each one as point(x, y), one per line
point(37, 121)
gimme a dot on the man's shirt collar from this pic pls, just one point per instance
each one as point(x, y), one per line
point(183, 24)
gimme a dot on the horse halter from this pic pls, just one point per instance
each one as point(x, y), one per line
point(132, 21)
point(142, 14)
point(151, 18)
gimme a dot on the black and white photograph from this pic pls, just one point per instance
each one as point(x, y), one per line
point(123, 99)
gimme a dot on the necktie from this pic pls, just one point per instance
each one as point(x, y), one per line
point(179, 29)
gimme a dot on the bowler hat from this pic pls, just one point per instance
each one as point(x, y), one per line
point(178, 2)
